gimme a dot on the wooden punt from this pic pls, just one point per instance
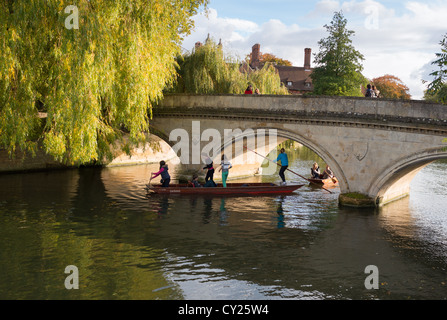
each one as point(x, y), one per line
point(327, 183)
point(231, 189)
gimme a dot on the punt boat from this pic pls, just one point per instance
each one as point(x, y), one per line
point(233, 189)
point(329, 182)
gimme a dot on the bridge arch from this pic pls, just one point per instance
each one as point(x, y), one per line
point(394, 183)
point(309, 143)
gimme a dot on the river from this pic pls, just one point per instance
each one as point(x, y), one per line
point(301, 246)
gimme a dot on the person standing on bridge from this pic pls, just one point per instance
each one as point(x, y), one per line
point(369, 92)
point(284, 164)
point(376, 91)
point(249, 90)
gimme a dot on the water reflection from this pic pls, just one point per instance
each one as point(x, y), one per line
point(299, 246)
point(223, 213)
point(280, 212)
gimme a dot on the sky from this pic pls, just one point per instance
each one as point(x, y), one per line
point(396, 37)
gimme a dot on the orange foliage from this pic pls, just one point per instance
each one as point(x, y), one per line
point(391, 87)
point(268, 57)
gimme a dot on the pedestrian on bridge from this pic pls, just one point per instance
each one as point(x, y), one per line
point(249, 90)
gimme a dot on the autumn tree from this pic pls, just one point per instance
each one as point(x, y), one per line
point(338, 63)
point(391, 87)
point(271, 58)
point(94, 69)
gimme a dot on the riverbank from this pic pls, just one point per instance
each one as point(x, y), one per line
point(152, 152)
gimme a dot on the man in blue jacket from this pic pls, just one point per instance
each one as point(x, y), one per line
point(284, 164)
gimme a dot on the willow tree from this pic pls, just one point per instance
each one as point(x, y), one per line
point(95, 67)
point(339, 64)
point(267, 80)
point(207, 70)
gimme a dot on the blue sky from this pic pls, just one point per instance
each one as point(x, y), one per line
point(398, 37)
point(288, 11)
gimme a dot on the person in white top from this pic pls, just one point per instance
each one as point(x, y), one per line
point(225, 165)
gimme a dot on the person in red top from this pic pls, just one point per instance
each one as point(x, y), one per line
point(249, 90)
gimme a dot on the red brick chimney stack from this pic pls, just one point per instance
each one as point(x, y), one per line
point(307, 57)
point(255, 55)
point(198, 44)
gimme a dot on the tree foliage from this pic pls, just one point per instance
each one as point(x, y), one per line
point(437, 89)
point(338, 63)
point(208, 71)
point(271, 58)
point(267, 80)
point(95, 82)
point(391, 87)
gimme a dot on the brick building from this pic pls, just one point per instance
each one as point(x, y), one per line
point(296, 79)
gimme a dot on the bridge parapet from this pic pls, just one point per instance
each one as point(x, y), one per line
point(385, 113)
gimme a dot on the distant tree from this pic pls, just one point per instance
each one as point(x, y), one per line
point(271, 58)
point(267, 80)
point(268, 57)
point(208, 71)
point(338, 64)
point(391, 87)
point(437, 89)
point(439, 96)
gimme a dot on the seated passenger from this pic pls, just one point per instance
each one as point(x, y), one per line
point(315, 171)
point(195, 181)
point(328, 173)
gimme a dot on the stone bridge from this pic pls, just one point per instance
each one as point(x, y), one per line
point(374, 146)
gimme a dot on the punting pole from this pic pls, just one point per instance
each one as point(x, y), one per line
point(289, 170)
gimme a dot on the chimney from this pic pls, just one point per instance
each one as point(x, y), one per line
point(307, 58)
point(255, 55)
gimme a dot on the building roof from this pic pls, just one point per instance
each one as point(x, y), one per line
point(296, 78)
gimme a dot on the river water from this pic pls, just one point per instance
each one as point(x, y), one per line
point(300, 246)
